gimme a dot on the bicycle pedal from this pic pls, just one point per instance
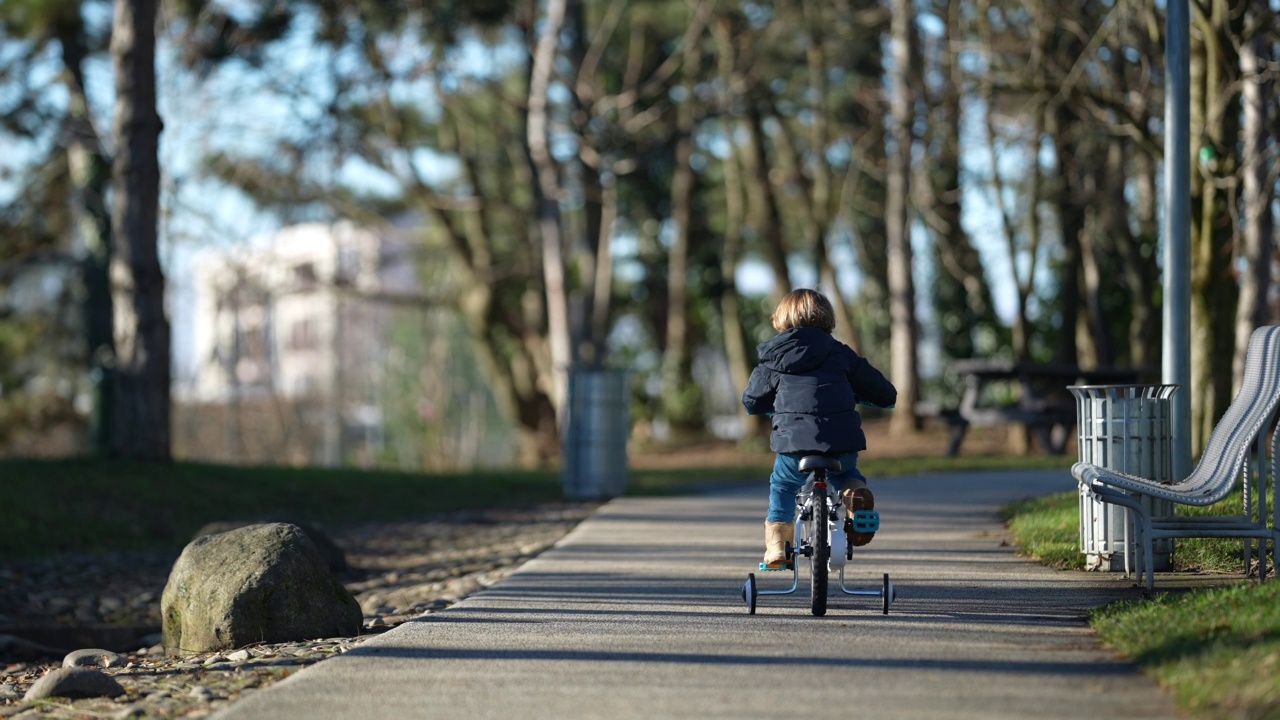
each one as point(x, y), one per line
point(866, 521)
point(775, 568)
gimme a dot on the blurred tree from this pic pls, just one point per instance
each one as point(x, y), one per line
point(1259, 170)
point(1215, 135)
point(547, 173)
point(963, 304)
point(84, 175)
point(142, 427)
point(904, 333)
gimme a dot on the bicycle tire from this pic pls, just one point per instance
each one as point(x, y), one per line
point(818, 561)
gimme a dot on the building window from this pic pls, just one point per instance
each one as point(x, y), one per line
point(304, 276)
point(303, 335)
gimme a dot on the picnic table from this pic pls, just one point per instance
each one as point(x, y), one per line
point(1040, 398)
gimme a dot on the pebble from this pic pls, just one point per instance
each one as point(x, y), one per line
point(398, 571)
point(93, 657)
point(74, 682)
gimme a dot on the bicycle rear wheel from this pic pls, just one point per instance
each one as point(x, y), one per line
point(818, 561)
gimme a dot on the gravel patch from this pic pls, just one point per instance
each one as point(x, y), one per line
point(63, 606)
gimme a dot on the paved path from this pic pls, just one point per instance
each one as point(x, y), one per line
point(637, 614)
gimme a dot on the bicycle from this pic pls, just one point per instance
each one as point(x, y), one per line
point(819, 527)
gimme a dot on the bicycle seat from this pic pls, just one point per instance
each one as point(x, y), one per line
point(809, 463)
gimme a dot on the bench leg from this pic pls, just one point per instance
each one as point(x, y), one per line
point(957, 437)
point(1052, 438)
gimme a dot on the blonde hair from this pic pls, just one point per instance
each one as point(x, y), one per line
point(804, 308)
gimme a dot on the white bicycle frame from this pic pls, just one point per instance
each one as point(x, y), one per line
point(836, 535)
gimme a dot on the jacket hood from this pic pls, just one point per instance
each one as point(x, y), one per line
point(797, 350)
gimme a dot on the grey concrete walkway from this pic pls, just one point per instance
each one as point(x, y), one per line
point(637, 614)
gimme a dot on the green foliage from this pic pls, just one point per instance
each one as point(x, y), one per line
point(1217, 649)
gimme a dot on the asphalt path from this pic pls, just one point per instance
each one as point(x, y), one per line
point(638, 614)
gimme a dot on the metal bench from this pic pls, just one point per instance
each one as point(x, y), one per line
point(1237, 452)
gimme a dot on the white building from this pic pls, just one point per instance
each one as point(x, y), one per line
point(278, 317)
point(297, 318)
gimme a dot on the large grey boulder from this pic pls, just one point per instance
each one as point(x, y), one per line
point(260, 583)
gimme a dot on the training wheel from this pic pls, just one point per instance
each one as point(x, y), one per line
point(749, 593)
point(887, 594)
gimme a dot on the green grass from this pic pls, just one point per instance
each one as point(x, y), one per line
point(49, 507)
point(1211, 554)
point(82, 505)
point(1216, 649)
point(1047, 529)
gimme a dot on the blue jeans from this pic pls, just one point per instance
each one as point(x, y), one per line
point(787, 480)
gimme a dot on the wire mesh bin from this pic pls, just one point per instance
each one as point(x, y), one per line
point(1126, 428)
point(596, 428)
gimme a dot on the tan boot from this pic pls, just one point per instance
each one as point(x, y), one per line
point(858, 497)
point(776, 537)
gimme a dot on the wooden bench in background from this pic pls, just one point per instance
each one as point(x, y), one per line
point(1041, 401)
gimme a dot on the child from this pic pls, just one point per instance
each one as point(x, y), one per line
point(811, 384)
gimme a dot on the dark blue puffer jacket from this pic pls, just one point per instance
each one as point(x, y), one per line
point(812, 383)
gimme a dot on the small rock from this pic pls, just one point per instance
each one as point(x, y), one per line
point(240, 656)
point(93, 657)
point(74, 682)
point(132, 711)
point(59, 605)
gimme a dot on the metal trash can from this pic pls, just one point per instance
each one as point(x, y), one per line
point(597, 424)
point(1127, 428)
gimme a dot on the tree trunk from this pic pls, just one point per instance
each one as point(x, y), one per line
point(738, 353)
point(681, 398)
point(91, 180)
point(1110, 232)
point(1258, 192)
point(142, 329)
point(602, 287)
point(1139, 252)
point(905, 371)
point(768, 218)
point(1215, 125)
point(962, 297)
point(599, 203)
point(1071, 221)
point(548, 203)
point(867, 193)
point(735, 343)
